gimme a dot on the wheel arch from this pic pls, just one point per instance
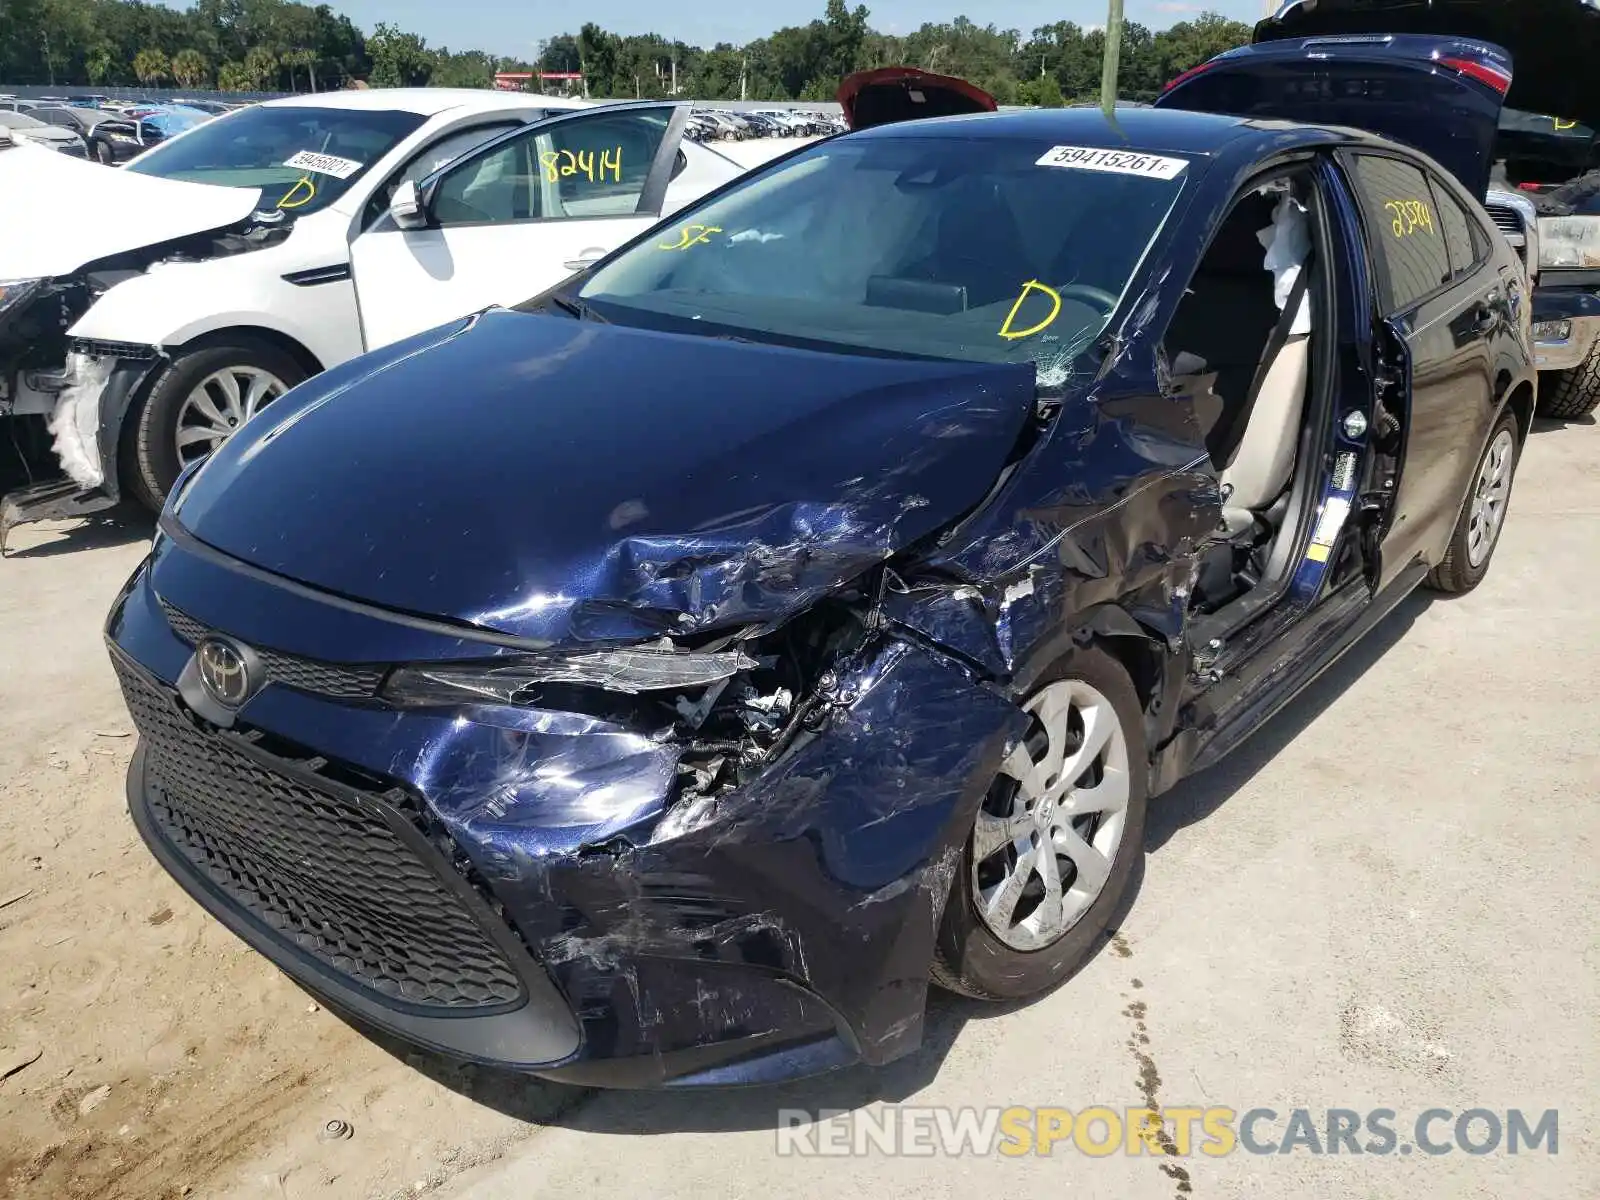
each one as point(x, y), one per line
point(127, 420)
point(1520, 398)
point(1140, 650)
point(275, 338)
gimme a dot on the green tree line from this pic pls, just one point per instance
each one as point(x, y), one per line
point(279, 45)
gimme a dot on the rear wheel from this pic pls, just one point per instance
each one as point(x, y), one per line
point(1054, 845)
point(1483, 516)
point(198, 403)
point(1567, 395)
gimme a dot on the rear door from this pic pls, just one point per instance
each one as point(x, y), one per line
point(1441, 302)
point(1442, 95)
point(517, 216)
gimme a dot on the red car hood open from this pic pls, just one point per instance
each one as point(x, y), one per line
point(888, 94)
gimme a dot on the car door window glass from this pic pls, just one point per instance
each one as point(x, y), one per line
point(1405, 230)
point(1466, 251)
point(591, 166)
point(432, 158)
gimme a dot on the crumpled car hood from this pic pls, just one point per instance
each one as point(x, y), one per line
point(72, 211)
point(568, 481)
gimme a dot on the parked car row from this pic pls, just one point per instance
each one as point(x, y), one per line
point(11, 103)
point(110, 134)
point(713, 125)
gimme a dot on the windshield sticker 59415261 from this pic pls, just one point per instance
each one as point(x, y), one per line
point(1117, 162)
point(324, 164)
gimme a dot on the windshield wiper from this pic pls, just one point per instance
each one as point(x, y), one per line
point(574, 307)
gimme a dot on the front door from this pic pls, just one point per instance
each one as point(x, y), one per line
point(517, 216)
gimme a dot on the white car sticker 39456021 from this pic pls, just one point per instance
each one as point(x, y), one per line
point(324, 164)
point(1117, 162)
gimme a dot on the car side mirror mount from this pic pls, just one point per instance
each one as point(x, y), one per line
point(408, 207)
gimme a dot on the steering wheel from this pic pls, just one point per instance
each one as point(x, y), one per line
point(1098, 297)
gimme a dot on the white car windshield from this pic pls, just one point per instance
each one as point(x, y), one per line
point(301, 158)
point(979, 249)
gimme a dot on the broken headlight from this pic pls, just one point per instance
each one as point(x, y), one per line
point(632, 670)
point(1569, 242)
point(14, 291)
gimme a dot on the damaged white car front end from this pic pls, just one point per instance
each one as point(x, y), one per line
point(86, 230)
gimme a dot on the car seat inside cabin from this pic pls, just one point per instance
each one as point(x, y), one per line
point(1240, 346)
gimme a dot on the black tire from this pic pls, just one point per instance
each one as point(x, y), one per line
point(969, 959)
point(1568, 395)
point(1457, 574)
point(103, 155)
point(150, 464)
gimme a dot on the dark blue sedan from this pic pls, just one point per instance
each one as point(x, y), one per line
point(667, 681)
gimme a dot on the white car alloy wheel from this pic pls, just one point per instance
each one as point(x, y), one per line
point(1038, 866)
point(1490, 497)
point(220, 403)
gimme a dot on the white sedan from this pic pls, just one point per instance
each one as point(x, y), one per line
point(148, 311)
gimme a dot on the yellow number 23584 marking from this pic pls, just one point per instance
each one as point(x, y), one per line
point(1409, 216)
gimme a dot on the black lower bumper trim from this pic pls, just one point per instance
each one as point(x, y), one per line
point(542, 1033)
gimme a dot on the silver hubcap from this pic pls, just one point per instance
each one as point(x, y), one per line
point(1490, 497)
point(1049, 831)
point(219, 404)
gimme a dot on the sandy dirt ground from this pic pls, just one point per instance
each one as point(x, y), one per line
point(1387, 898)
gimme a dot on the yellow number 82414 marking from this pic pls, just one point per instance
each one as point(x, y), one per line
point(564, 164)
point(1409, 216)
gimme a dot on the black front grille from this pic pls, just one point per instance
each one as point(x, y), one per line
point(340, 874)
point(306, 674)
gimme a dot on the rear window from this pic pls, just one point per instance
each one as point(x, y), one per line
point(1537, 148)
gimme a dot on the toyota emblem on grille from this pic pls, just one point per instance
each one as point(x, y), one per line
point(224, 672)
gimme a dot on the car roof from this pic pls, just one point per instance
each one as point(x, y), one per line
point(427, 102)
point(1151, 129)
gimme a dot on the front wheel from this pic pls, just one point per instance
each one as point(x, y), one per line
point(103, 155)
point(1567, 395)
point(198, 403)
point(1483, 516)
point(1053, 848)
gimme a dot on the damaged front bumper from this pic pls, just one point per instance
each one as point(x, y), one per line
point(562, 907)
point(87, 401)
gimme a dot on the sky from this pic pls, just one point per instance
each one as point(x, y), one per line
point(515, 27)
